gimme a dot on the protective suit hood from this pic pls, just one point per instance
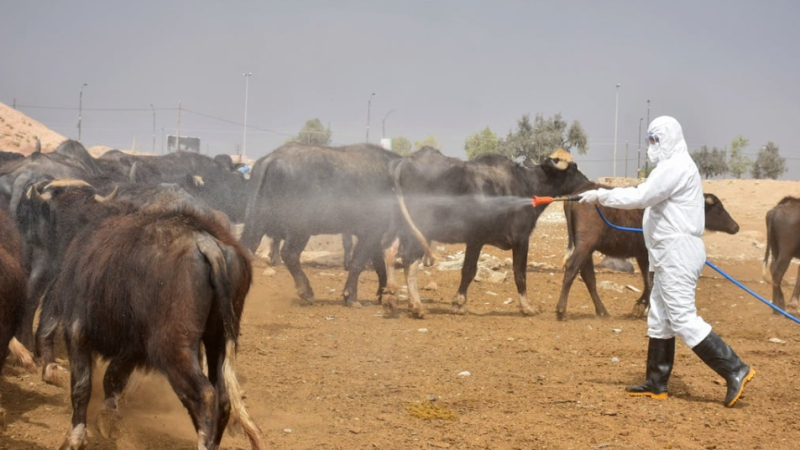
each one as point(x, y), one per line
point(670, 139)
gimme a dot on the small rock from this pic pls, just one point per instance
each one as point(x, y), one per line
point(269, 272)
point(330, 318)
point(777, 341)
point(633, 288)
point(616, 330)
point(615, 360)
point(464, 374)
point(508, 301)
point(423, 330)
point(287, 430)
point(491, 293)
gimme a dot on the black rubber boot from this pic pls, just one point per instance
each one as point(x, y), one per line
point(720, 356)
point(660, 357)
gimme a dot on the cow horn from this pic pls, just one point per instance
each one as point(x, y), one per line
point(561, 158)
point(108, 197)
point(132, 174)
point(198, 180)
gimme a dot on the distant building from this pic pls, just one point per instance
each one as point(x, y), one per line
point(187, 144)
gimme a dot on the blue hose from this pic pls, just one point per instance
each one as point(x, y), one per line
point(709, 264)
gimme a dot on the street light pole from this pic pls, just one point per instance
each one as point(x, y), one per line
point(154, 127)
point(369, 105)
point(246, 92)
point(616, 116)
point(383, 122)
point(639, 157)
point(80, 110)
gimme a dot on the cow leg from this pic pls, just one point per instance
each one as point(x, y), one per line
point(519, 254)
point(571, 268)
point(468, 271)
point(389, 294)
point(215, 353)
point(275, 251)
point(80, 364)
point(380, 270)
point(25, 330)
point(347, 245)
point(116, 378)
point(45, 341)
point(290, 253)
point(778, 269)
point(414, 301)
point(195, 392)
point(363, 251)
point(587, 272)
point(794, 304)
point(642, 305)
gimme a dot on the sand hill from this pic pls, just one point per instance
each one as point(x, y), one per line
point(18, 133)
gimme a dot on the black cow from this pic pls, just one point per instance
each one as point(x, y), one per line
point(485, 201)
point(142, 289)
point(783, 240)
point(587, 233)
point(12, 289)
point(302, 190)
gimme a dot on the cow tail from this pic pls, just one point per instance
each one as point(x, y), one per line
point(765, 273)
point(428, 258)
point(221, 280)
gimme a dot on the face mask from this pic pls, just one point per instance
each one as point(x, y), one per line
point(653, 153)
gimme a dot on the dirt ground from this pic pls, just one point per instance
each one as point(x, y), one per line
point(330, 377)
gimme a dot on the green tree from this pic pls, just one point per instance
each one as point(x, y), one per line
point(429, 141)
point(313, 133)
point(710, 163)
point(401, 145)
point(481, 143)
point(544, 136)
point(739, 164)
point(769, 163)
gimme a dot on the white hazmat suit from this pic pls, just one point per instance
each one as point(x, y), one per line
point(674, 219)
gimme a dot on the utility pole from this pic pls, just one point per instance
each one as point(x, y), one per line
point(369, 105)
point(154, 127)
point(616, 116)
point(244, 138)
point(178, 137)
point(626, 158)
point(80, 110)
point(639, 157)
point(647, 160)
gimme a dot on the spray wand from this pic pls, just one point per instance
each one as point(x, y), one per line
point(540, 201)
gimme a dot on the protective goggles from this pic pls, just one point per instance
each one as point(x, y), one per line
point(652, 138)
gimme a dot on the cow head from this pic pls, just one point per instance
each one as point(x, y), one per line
point(562, 174)
point(717, 217)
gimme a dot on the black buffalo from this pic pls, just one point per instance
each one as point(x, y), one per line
point(587, 233)
point(142, 289)
point(783, 241)
point(480, 202)
point(301, 191)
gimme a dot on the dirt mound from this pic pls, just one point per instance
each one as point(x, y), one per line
point(18, 133)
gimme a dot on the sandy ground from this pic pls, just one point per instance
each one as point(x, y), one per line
point(330, 377)
point(18, 132)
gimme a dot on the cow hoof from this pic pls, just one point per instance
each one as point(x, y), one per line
point(528, 311)
point(50, 375)
point(603, 314)
point(416, 314)
point(458, 310)
point(354, 304)
point(108, 423)
point(561, 316)
point(639, 310)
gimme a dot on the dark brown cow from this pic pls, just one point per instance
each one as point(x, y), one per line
point(143, 289)
point(479, 202)
point(783, 241)
point(12, 288)
point(588, 233)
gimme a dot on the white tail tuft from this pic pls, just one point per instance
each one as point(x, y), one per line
point(238, 411)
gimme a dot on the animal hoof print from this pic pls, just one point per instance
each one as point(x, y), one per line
point(108, 424)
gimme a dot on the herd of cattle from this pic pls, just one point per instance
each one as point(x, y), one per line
point(135, 258)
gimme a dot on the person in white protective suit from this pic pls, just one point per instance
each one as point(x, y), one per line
point(674, 219)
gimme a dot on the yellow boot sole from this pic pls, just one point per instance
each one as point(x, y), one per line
point(749, 377)
point(661, 396)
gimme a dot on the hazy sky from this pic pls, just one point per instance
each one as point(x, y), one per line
point(447, 68)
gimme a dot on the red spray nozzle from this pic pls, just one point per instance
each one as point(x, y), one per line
point(541, 201)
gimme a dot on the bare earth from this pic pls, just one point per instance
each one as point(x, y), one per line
point(329, 377)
